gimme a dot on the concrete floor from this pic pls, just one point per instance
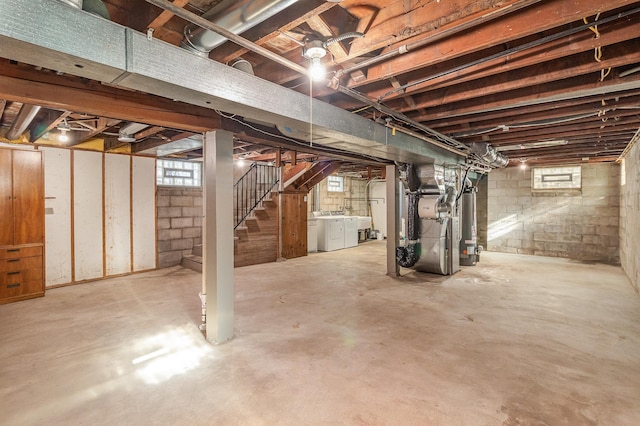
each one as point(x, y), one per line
point(330, 340)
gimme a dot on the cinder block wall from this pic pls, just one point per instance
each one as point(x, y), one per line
point(630, 217)
point(481, 211)
point(179, 223)
point(351, 201)
point(582, 225)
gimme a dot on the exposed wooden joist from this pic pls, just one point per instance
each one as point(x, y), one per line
point(28, 85)
point(531, 77)
point(611, 33)
point(272, 28)
point(579, 87)
point(544, 16)
point(164, 17)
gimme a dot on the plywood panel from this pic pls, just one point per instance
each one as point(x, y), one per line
point(28, 197)
point(117, 210)
point(144, 213)
point(87, 223)
point(294, 225)
point(6, 195)
point(57, 189)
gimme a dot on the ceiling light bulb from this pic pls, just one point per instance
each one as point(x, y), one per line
point(523, 165)
point(63, 136)
point(316, 70)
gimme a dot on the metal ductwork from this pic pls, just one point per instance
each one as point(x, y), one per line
point(23, 120)
point(127, 132)
point(242, 65)
point(432, 219)
point(489, 154)
point(235, 16)
point(95, 7)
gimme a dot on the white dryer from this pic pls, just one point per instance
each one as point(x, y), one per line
point(330, 233)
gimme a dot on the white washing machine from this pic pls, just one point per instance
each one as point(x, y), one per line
point(350, 231)
point(330, 233)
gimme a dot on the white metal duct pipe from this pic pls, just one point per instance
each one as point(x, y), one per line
point(235, 16)
point(75, 3)
point(23, 119)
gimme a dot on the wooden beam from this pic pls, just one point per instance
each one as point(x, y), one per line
point(578, 87)
point(261, 34)
point(319, 25)
point(316, 174)
point(28, 85)
point(148, 132)
point(164, 17)
point(543, 16)
point(611, 33)
point(533, 77)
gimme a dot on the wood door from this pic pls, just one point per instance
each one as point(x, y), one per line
point(294, 225)
point(6, 202)
point(28, 193)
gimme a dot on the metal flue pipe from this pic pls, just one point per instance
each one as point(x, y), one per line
point(232, 15)
point(23, 119)
point(240, 41)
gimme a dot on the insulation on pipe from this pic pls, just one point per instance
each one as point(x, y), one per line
point(409, 255)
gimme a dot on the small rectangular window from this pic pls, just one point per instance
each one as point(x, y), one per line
point(335, 184)
point(178, 173)
point(565, 177)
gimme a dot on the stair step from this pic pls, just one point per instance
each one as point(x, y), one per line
point(192, 262)
point(197, 250)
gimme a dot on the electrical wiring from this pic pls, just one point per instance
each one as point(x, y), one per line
point(297, 142)
point(505, 128)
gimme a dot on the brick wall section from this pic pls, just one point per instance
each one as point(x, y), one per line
point(630, 217)
point(581, 225)
point(179, 223)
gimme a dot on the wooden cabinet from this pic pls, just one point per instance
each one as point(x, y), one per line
point(21, 225)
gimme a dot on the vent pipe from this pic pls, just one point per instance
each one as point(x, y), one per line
point(235, 16)
point(23, 119)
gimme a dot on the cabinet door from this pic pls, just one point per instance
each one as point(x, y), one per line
point(28, 193)
point(6, 202)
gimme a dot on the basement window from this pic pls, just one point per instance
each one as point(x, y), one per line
point(335, 184)
point(553, 178)
point(178, 173)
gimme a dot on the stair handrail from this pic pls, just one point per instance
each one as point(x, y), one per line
point(247, 194)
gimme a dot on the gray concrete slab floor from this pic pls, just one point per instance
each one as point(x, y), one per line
point(330, 340)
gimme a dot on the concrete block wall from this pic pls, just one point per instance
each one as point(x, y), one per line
point(579, 224)
point(179, 223)
point(351, 201)
point(481, 211)
point(630, 217)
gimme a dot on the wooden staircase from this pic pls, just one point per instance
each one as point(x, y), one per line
point(255, 240)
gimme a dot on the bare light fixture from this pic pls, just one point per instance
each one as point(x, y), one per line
point(314, 50)
point(63, 128)
point(523, 164)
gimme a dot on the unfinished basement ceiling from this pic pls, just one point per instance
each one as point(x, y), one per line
point(544, 82)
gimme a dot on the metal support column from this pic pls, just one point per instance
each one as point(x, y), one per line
point(393, 219)
point(217, 268)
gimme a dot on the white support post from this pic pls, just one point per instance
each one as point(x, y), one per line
point(217, 232)
point(393, 201)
